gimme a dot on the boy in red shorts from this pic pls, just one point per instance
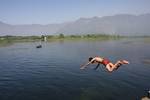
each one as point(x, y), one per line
point(109, 66)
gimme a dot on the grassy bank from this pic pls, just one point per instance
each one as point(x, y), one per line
point(56, 37)
point(49, 38)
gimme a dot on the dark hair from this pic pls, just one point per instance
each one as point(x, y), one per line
point(90, 58)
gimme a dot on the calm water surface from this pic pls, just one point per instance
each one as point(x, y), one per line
point(52, 72)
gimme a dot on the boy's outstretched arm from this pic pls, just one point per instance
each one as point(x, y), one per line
point(84, 65)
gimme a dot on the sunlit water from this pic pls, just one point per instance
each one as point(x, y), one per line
point(53, 71)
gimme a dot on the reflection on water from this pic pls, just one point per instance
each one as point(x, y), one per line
point(52, 72)
point(146, 61)
point(5, 43)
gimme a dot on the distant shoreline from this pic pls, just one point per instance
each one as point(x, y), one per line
point(9, 38)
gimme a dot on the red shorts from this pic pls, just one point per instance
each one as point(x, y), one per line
point(105, 61)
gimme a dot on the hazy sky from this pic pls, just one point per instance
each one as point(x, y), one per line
point(58, 11)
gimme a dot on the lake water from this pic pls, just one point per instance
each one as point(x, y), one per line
point(53, 71)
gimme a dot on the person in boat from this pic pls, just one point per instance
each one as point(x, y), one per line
point(106, 62)
point(39, 46)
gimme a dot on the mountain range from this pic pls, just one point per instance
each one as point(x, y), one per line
point(121, 24)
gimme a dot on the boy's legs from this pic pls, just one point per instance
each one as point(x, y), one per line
point(110, 67)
